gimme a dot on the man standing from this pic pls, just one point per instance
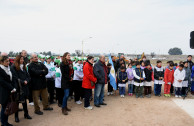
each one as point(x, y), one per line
point(100, 71)
point(118, 63)
point(190, 65)
point(24, 54)
point(38, 71)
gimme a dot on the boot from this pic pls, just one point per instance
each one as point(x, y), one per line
point(64, 111)
point(67, 109)
point(17, 118)
point(26, 116)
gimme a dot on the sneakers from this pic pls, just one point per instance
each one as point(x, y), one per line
point(89, 107)
point(166, 95)
point(78, 102)
point(141, 96)
point(31, 103)
point(176, 96)
point(108, 93)
point(111, 93)
point(179, 96)
point(122, 96)
point(137, 96)
point(130, 94)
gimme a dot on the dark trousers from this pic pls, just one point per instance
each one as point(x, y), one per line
point(30, 98)
point(51, 88)
point(77, 87)
point(59, 95)
point(184, 89)
point(178, 91)
point(88, 94)
point(110, 88)
point(147, 90)
point(24, 107)
point(172, 89)
point(157, 89)
point(4, 118)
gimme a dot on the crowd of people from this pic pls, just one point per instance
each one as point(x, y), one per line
point(40, 77)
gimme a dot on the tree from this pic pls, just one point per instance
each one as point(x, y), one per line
point(175, 51)
point(78, 52)
point(153, 54)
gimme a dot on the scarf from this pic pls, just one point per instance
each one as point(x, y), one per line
point(7, 71)
point(21, 67)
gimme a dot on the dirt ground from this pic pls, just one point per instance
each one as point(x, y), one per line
point(128, 111)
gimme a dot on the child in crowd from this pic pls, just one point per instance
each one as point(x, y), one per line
point(142, 65)
point(179, 76)
point(130, 79)
point(149, 77)
point(187, 79)
point(122, 79)
point(158, 78)
point(139, 77)
point(133, 64)
point(168, 79)
point(110, 88)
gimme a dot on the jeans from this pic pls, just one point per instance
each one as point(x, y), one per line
point(98, 94)
point(178, 91)
point(4, 118)
point(66, 95)
point(121, 90)
point(130, 88)
point(157, 89)
point(88, 94)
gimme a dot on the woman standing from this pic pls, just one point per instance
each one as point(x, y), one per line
point(67, 76)
point(21, 76)
point(89, 81)
point(6, 88)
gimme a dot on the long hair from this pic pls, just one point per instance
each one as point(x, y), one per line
point(17, 62)
point(64, 59)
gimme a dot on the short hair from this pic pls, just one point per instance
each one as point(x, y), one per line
point(189, 56)
point(181, 65)
point(185, 62)
point(3, 58)
point(181, 62)
point(147, 64)
point(122, 67)
point(90, 57)
point(159, 61)
point(129, 64)
point(175, 64)
point(137, 63)
point(171, 64)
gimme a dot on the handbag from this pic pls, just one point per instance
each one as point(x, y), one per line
point(12, 106)
point(20, 94)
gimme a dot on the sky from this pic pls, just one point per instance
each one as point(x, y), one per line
point(104, 26)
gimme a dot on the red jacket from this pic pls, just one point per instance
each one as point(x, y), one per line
point(169, 76)
point(88, 76)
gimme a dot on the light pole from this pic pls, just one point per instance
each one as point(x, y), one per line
point(83, 45)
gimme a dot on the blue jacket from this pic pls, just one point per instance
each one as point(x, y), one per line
point(139, 73)
point(122, 76)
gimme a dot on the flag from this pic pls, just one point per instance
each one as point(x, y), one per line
point(112, 75)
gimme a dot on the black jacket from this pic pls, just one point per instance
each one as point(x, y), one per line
point(6, 86)
point(65, 69)
point(37, 72)
point(99, 72)
point(190, 64)
point(148, 74)
point(22, 76)
point(118, 65)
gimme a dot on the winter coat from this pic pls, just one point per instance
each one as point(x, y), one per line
point(21, 75)
point(187, 74)
point(148, 74)
point(37, 72)
point(130, 73)
point(88, 76)
point(6, 86)
point(100, 72)
point(169, 76)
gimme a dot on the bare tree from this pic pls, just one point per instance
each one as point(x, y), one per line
point(78, 52)
point(152, 54)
